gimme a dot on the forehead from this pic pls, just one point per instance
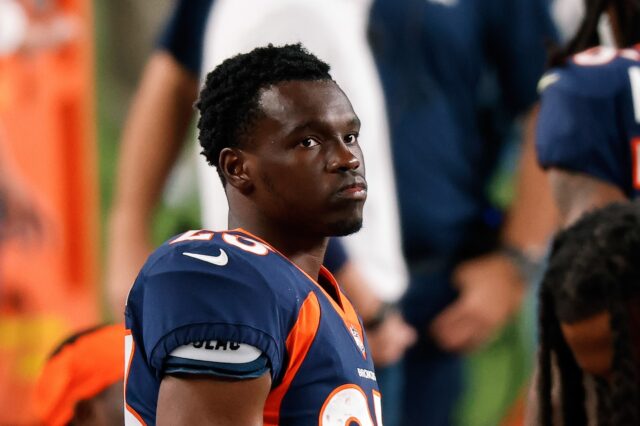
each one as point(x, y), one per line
point(290, 103)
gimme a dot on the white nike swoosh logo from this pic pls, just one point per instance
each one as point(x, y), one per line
point(219, 260)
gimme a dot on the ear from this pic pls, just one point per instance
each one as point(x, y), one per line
point(234, 165)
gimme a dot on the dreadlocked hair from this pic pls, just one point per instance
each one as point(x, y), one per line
point(593, 268)
point(228, 103)
point(627, 14)
point(618, 401)
point(554, 351)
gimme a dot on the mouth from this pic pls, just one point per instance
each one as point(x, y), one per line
point(355, 190)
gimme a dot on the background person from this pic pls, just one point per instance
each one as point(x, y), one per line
point(589, 320)
point(593, 96)
point(48, 141)
point(81, 383)
point(457, 75)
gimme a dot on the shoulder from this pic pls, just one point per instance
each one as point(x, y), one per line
point(598, 72)
point(219, 253)
point(205, 264)
point(203, 285)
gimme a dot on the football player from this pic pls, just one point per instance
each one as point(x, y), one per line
point(589, 321)
point(588, 134)
point(244, 326)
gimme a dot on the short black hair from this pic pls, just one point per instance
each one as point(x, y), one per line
point(228, 102)
point(594, 267)
point(628, 13)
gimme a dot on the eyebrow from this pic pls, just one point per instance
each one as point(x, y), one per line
point(355, 121)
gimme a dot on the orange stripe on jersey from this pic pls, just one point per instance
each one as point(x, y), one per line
point(298, 344)
point(350, 317)
point(635, 162)
point(343, 307)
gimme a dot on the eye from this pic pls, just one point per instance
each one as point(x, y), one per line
point(309, 143)
point(351, 139)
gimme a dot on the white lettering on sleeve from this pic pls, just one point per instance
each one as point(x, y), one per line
point(218, 351)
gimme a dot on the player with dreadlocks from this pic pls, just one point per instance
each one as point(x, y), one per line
point(588, 134)
point(590, 318)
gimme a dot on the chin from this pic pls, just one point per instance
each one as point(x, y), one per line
point(347, 227)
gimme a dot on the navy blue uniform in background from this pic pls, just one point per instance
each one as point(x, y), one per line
point(590, 117)
point(183, 33)
point(455, 73)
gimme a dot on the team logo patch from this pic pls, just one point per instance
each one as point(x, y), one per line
point(357, 338)
point(219, 260)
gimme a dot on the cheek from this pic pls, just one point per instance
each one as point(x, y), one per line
point(297, 186)
point(591, 342)
point(306, 178)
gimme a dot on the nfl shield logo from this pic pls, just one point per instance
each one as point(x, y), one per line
point(357, 338)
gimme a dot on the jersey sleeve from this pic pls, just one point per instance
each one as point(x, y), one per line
point(190, 301)
point(576, 132)
point(183, 33)
point(218, 358)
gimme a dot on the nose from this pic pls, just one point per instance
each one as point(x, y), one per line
point(342, 158)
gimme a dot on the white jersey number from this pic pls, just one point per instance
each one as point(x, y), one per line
point(348, 404)
point(634, 77)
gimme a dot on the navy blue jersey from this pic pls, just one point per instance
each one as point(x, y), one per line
point(590, 117)
point(455, 75)
point(230, 286)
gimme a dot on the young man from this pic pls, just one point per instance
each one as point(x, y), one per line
point(244, 327)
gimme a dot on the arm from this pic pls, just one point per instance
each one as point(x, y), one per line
point(155, 130)
point(492, 286)
point(210, 401)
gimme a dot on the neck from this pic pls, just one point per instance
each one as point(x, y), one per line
point(305, 250)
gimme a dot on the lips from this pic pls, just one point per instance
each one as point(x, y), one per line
point(356, 190)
